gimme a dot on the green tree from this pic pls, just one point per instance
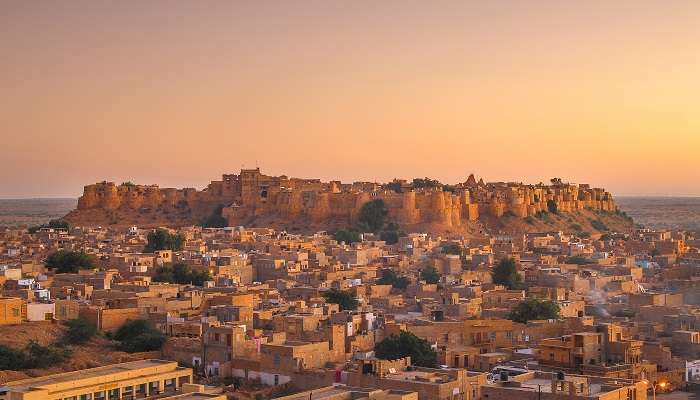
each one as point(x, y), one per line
point(161, 239)
point(69, 261)
point(215, 219)
point(421, 183)
point(452, 248)
point(394, 185)
point(430, 275)
point(552, 206)
point(182, 274)
point(79, 331)
point(344, 298)
point(58, 224)
point(164, 274)
point(373, 215)
point(347, 236)
point(579, 260)
point(389, 277)
point(390, 237)
point(407, 344)
point(506, 273)
point(534, 309)
point(139, 336)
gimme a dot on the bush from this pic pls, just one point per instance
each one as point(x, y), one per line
point(38, 356)
point(33, 355)
point(79, 331)
point(534, 309)
point(530, 220)
point(161, 239)
point(407, 344)
point(69, 261)
point(11, 359)
point(552, 206)
point(139, 336)
point(599, 225)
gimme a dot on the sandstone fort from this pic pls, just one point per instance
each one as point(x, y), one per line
point(251, 197)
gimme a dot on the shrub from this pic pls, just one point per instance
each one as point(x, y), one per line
point(599, 225)
point(11, 359)
point(79, 331)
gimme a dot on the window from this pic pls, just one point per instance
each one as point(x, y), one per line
point(15, 312)
point(277, 380)
point(141, 389)
point(99, 395)
point(276, 360)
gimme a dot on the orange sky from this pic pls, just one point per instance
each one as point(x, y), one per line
point(179, 92)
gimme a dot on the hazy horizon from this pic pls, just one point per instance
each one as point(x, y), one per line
point(178, 92)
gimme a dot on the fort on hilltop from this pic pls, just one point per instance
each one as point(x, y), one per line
point(251, 198)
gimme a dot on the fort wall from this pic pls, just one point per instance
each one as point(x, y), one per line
point(251, 195)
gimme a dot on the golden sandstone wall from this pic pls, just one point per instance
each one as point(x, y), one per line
point(252, 196)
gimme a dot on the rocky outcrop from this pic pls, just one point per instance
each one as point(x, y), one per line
point(251, 197)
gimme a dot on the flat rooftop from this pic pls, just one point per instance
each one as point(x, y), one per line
point(76, 377)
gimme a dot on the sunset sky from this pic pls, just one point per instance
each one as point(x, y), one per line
point(179, 92)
